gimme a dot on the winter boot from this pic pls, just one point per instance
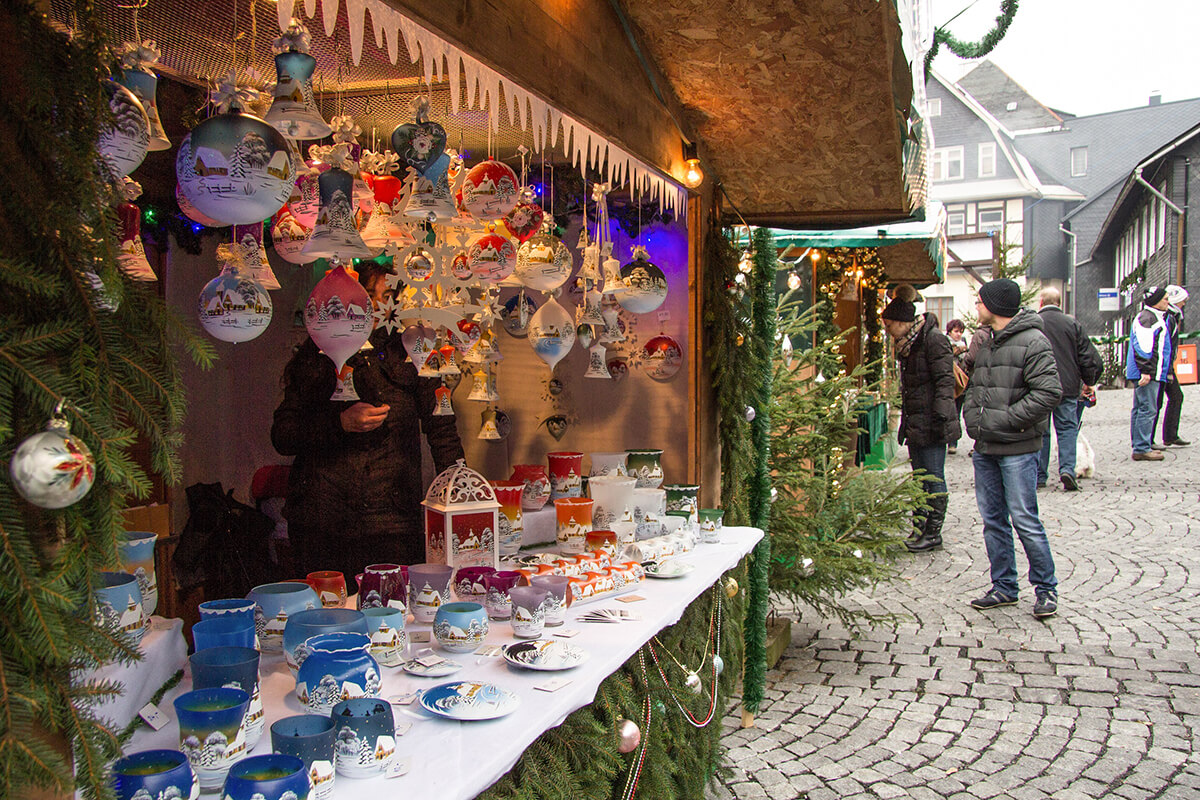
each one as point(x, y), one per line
point(920, 520)
point(932, 537)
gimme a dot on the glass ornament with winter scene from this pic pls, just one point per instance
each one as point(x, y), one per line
point(144, 85)
point(461, 525)
point(338, 316)
point(123, 144)
point(524, 220)
point(334, 234)
point(339, 666)
point(131, 254)
point(516, 313)
point(235, 168)
point(543, 262)
point(293, 111)
point(289, 236)
point(644, 285)
point(662, 357)
point(492, 257)
point(419, 341)
point(551, 332)
point(233, 307)
point(386, 227)
point(54, 468)
point(489, 190)
point(254, 254)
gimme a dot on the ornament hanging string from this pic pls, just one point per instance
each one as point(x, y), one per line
point(635, 769)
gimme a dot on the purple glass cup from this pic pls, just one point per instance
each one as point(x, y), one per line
point(558, 597)
point(428, 589)
point(468, 583)
point(380, 584)
point(497, 602)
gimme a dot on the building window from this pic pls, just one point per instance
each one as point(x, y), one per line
point(948, 163)
point(1078, 162)
point(940, 307)
point(1161, 208)
point(991, 219)
point(987, 159)
point(933, 107)
point(956, 223)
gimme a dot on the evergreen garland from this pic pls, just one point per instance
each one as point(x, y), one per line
point(117, 371)
point(1008, 10)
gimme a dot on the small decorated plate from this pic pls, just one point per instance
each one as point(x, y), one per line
point(469, 700)
point(544, 655)
point(668, 569)
point(439, 670)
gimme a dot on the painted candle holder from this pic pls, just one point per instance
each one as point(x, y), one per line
point(381, 584)
point(497, 602)
point(365, 738)
point(236, 668)
point(572, 523)
point(609, 464)
point(566, 471)
point(330, 586)
point(306, 624)
point(684, 497)
point(212, 732)
point(468, 584)
point(528, 611)
point(154, 774)
point(711, 524)
point(646, 467)
point(274, 603)
point(428, 590)
point(309, 737)
point(272, 776)
point(118, 604)
point(558, 597)
point(613, 495)
point(512, 519)
point(338, 665)
point(388, 637)
point(137, 558)
point(537, 485)
point(460, 627)
point(226, 631)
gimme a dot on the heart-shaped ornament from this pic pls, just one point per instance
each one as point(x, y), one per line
point(557, 425)
point(466, 336)
point(419, 341)
point(419, 144)
point(524, 220)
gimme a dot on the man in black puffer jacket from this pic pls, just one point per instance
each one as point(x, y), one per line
point(928, 415)
point(1013, 389)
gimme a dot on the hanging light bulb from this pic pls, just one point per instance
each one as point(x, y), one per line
point(694, 176)
point(815, 255)
point(793, 281)
point(746, 263)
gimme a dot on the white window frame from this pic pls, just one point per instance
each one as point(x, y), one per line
point(956, 223)
point(940, 161)
point(987, 155)
point(933, 107)
point(983, 227)
point(938, 305)
point(1075, 171)
point(1161, 209)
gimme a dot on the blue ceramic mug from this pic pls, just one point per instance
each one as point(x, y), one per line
point(137, 558)
point(273, 604)
point(154, 773)
point(235, 667)
point(119, 604)
point(212, 732)
point(366, 737)
point(310, 738)
point(338, 665)
point(304, 625)
point(388, 638)
point(226, 631)
point(267, 777)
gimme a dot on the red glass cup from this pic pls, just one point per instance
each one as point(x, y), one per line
point(566, 474)
point(380, 584)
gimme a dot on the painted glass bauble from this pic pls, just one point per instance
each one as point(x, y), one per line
point(419, 341)
point(131, 255)
point(294, 112)
point(460, 266)
point(489, 190)
point(551, 332)
point(53, 469)
point(124, 143)
point(289, 237)
point(386, 226)
point(543, 263)
point(662, 357)
point(516, 313)
point(418, 265)
point(644, 287)
point(338, 316)
point(420, 144)
point(492, 257)
point(335, 234)
point(193, 213)
point(144, 85)
point(524, 220)
point(234, 307)
point(235, 168)
point(465, 335)
point(305, 199)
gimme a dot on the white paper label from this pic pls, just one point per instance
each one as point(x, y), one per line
point(398, 766)
point(664, 315)
point(567, 633)
point(552, 685)
point(402, 727)
point(153, 716)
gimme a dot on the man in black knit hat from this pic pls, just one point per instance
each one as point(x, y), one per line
point(1013, 389)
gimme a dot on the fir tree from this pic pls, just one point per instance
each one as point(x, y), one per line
point(120, 380)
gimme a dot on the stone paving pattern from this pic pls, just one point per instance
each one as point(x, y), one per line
point(1102, 700)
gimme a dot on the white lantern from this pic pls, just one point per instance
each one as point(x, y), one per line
point(461, 523)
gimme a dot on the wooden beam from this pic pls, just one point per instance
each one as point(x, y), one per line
point(853, 218)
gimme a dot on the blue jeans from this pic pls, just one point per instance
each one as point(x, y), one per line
point(1066, 426)
point(932, 459)
point(1006, 492)
point(1141, 419)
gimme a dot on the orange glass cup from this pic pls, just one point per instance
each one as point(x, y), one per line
point(574, 522)
point(330, 586)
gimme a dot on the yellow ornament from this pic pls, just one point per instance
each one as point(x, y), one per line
point(740, 340)
point(731, 587)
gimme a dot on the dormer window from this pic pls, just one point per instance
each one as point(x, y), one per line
point(1079, 163)
point(933, 107)
point(1011, 106)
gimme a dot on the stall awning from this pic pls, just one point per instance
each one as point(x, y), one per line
point(912, 252)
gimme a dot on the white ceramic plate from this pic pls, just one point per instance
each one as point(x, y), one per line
point(439, 670)
point(544, 655)
point(669, 569)
point(469, 700)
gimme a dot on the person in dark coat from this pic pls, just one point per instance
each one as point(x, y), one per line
point(355, 487)
point(956, 332)
point(1170, 398)
point(928, 415)
point(1079, 369)
point(1014, 386)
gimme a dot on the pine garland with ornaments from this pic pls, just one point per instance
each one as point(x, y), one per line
point(82, 344)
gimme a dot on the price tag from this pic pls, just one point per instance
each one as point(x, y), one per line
point(490, 650)
point(418, 636)
point(630, 598)
point(402, 727)
point(431, 660)
point(397, 604)
point(567, 633)
point(664, 316)
point(552, 685)
point(153, 716)
point(398, 766)
point(403, 699)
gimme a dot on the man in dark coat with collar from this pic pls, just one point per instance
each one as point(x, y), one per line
point(1013, 389)
point(928, 414)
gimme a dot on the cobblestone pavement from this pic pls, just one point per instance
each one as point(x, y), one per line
point(1102, 700)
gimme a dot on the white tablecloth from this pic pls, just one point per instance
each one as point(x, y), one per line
point(458, 760)
point(164, 653)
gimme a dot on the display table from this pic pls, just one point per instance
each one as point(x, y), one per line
point(165, 653)
point(452, 759)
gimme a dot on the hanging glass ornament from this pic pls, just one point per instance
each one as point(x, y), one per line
point(131, 256)
point(543, 262)
point(338, 315)
point(465, 335)
point(551, 332)
point(503, 424)
point(516, 313)
point(289, 236)
point(294, 112)
point(731, 587)
point(590, 269)
point(123, 144)
point(442, 407)
point(233, 307)
point(591, 311)
point(386, 227)
point(692, 681)
point(235, 168)
point(492, 257)
point(489, 431)
point(718, 664)
point(750, 413)
point(447, 367)
point(138, 76)
point(460, 266)
point(489, 190)
point(645, 284)
point(334, 233)
point(305, 198)
point(597, 363)
point(53, 469)
point(418, 265)
point(662, 357)
point(524, 220)
point(629, 736)
point(583, 335)
point(479, 389)
point(614, 326)
point(419, 341)
point(786, 349)
point(557, 426)
point(422, 146)
point(618, 367)
point(612, 275)
point(250, 239)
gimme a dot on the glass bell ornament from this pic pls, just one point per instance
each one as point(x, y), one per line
point(442, 406)
point(492, 257)
point(432, 366)
point(612, 276)
point(53, 469)
point(589, 270)
point(254, 255)
point(645, 284)
point(524, 220)
point(131, 255)
point(235, 168)
point(385, 228)
point(614, 328)
point(489, 430)
point(593, 302)
point(483, 388)
point(338, 315)
point(448, 368)
point(597, 363)
point(334, 233)
point(543, 262)
point(144, 84)
point(489, 190)
point(293, 110)
point(551, 332)
point(289, 236)
point(234, 307)
point(123, 144)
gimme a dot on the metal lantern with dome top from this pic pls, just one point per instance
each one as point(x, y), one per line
point(461, 519)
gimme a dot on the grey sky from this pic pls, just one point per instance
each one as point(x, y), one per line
point(1086, 56)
